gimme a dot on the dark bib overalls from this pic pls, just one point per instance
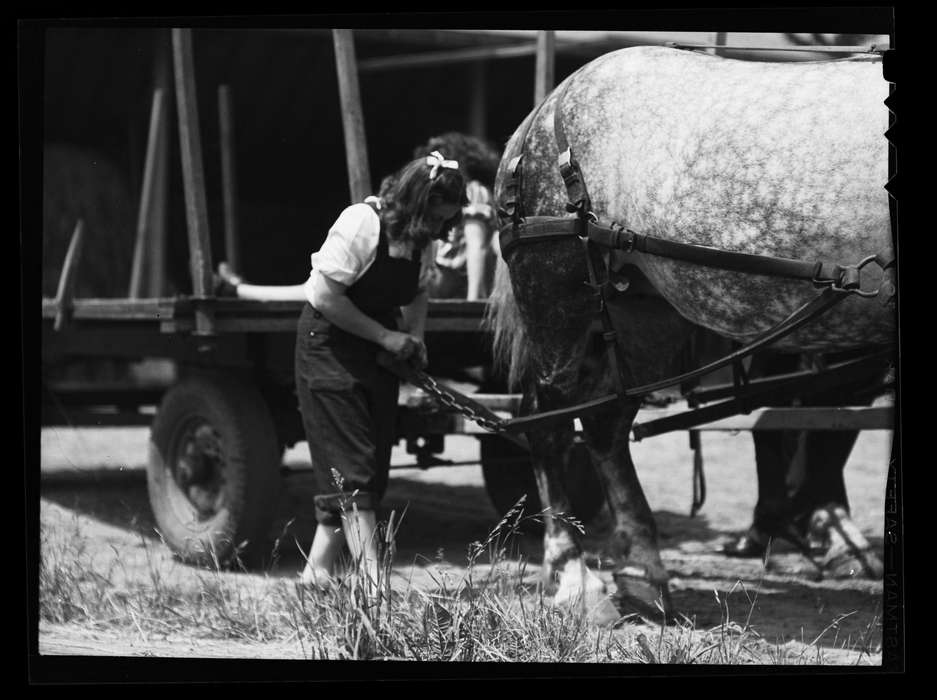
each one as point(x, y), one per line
point(348, 402)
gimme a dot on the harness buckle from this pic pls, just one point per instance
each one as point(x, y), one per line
point(848, 279)
point(624, 238)
point(575, 187)
point(565, 158)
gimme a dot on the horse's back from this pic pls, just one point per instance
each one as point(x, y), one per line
point(782, 159)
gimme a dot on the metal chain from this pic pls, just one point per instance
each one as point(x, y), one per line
point(432, 387)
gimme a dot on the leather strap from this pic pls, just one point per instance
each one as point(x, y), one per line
point(612, 348)
point(821, 303)
point(616, 237)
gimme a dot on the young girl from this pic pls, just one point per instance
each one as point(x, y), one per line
point(465, 258)
point(366, 293)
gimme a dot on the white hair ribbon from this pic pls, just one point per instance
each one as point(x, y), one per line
point(437, 161)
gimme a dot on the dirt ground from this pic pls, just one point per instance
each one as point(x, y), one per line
point(98, 476)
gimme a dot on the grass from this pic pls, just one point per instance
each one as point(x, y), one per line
point(487, 613)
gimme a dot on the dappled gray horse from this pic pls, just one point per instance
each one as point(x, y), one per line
point(779, 159)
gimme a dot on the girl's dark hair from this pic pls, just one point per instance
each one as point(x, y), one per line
point(477, 158)
point(408, 194)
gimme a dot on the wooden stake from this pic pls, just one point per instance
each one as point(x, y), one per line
point(144, 216)
point(719, 40)
point(66, 289)
point(155, 257)
point(546, 53)
point(193, 177)
point(478, 94)
point(356, 147)
point(228, 180)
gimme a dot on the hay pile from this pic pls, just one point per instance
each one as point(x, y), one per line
point(79, 183)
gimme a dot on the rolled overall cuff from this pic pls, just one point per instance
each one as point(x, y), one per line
point(329, 508)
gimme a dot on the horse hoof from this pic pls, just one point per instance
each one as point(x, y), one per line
point(637, 593)
point(594, 603)
point(854, 565)
point(848, 552)
point(601, 612)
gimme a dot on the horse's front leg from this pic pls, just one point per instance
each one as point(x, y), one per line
point(640, 576)
point(564, 570)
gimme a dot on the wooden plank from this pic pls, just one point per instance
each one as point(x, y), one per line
point(66, 289)
point(802, 418)
point(144, 216)
point(466, 325)
point(193, 175)
point(546, 59)
point(114, 309)
point(228, 179)
point(441, 58)
point(356, 147)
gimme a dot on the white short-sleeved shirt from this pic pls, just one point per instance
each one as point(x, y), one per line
point(350, 248)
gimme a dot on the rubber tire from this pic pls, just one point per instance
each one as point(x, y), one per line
point(251, 470)
point(505, 483)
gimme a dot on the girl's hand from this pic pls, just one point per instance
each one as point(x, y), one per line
point(225, 281)
point(404, 346)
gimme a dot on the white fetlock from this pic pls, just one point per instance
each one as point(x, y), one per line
point(577, 584)
point(580, 587)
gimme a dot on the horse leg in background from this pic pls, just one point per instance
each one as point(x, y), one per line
point(801, 488)
point(776, 455)
point(564, 571)
point(821, 499)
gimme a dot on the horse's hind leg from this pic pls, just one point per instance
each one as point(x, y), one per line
point(641, 577)
point(564, 571)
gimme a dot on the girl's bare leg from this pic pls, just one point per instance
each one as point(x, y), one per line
point(360, 532)
point(326, 546)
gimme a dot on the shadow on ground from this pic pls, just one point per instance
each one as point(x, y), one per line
point(790, 611)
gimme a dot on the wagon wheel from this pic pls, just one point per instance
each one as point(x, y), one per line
point(213, 470)
point(509, 475)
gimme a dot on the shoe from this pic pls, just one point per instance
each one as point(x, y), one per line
point(753, 544)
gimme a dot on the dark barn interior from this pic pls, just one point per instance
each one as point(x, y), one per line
point(289, 152)
point(291, 176)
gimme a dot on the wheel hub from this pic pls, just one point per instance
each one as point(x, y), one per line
point(199, 467)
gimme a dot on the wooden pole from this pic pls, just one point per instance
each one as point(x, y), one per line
point(155, 257)
point(719, 40)
point(66, 290)
point(144, 215)
point(546, 52)
point(193, 177)
point(228, 181)
point(439, 58)
point(356, 147)
point(479, 96)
